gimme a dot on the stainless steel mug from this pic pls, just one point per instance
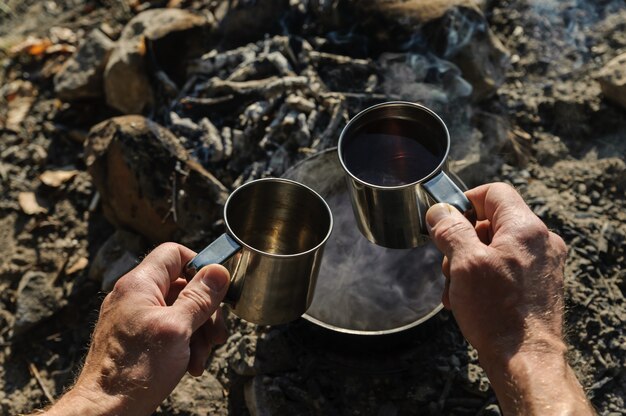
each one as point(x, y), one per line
point(395, 155)
point(276, 232)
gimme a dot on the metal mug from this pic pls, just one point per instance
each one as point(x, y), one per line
point(394, 156)
point(276, 232)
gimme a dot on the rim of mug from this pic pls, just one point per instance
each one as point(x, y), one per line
point(364, 113)
point(276, 255)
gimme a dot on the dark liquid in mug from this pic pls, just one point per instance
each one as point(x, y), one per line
point(393, 152)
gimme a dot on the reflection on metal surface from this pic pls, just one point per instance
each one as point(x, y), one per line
point(281, 228)
point(391, 153)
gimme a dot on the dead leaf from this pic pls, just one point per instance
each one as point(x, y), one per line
point(79, 265)
point(18, 110)
point(56, 178)
point(20, 96)
point(32, 46)
point(28, 203)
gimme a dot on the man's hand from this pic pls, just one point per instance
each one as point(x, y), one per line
point(504, 285)
point(153, 327)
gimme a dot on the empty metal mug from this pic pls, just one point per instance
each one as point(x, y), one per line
point(395, 158)
point(276, 232)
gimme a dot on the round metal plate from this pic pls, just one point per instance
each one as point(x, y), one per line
point(363, 288)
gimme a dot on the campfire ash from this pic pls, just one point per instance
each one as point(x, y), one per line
point(187, 99)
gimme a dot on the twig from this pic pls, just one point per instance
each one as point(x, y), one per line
point(359, 95)
point(338, 59)
point(206, 101)
point(328, 134)
point(94, 202)
point(174, 195)
point(61, 269)
point(264, 87)
point(35, 373)
point(441, 403)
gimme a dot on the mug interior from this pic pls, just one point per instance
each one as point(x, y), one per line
point(278, 217)
point(394, 144)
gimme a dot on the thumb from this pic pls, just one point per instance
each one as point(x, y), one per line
point(197, 302)
point(450, 230)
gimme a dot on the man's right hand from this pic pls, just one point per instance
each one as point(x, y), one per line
point(504, 285)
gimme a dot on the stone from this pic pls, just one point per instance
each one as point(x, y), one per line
point(257, 17)
point(148, 182)
point(82, 75)
point(202, 395)
point(414, 11)
point(457, 31)
point(612, 80)
point(491, 410)
point(467, 41)
point(549, 149)
point(120, 253)
point(173, 36)
point(37, 300)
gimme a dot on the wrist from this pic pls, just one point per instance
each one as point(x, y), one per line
point(505, 356)
point(536, 380)
point(84, 399)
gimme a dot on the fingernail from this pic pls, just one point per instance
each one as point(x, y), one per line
point(215, 280)
point(436, 213)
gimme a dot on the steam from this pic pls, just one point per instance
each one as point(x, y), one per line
point(423, 78)
point(362, 286)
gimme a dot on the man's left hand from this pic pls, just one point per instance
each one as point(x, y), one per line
point(153, 327)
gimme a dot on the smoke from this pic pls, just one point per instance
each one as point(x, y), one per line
point(423, 78)
point(564, 29)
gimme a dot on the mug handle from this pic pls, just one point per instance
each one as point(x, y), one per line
point(218, 252)
point(442, 189)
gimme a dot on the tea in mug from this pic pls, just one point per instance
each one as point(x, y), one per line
point(392, 152)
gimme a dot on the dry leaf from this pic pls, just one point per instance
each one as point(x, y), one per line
point(20, 95)
point(18, 109)
point(28, 203)
point(56, 178)
point(80, 264)
point(32, 46)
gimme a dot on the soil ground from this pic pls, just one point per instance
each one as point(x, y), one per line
point(571, 144)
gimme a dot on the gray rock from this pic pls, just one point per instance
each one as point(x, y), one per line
point(459, 29)
point(82, 75)
point(491, 410)
point(482, 58)
point(36, 300)
point(612, 79)
point(549, 149)
point(117, 256)
point(241, 357)
point(126, 83)
point(202, 395)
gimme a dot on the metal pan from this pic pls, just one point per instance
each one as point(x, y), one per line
point(364, 289)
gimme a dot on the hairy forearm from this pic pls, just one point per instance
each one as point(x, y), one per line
point(537, 382)
point(86, 401)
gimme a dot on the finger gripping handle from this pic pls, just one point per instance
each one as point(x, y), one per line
point(218, 252)
point(442, 189)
